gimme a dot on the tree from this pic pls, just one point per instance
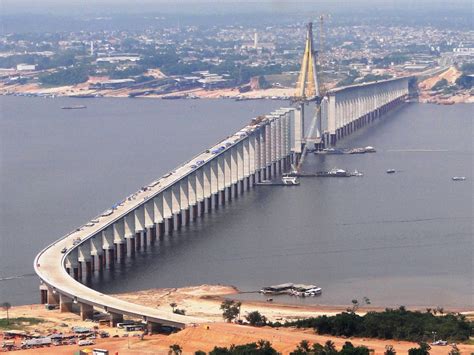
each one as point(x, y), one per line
point(465, 81)
point(256, 319)
point(175, 349)
point(231, 309)
point(329, 347)
point(6, 307)
point(173, 305)
point(424, 349)
point(440, 84)
point(454, 350)
point(70, 76)
point(303, 348)
point(389, 350)
point(199, 352)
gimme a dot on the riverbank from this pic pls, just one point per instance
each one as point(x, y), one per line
point(282, 93)
point(204, 301)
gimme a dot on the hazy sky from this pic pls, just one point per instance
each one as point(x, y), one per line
point(177, 6)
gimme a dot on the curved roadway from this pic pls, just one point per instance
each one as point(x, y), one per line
point(49, 264)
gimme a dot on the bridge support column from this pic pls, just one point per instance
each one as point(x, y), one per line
point(80, 266)
point(100, 262)
point(179, 220)
point(169, 225)
point(131, 247)
point(89, 264)
point(216, 199)
point(51, 296)
point(187, 217)
point(152, 233)
point(75, 273)
point(145, 239)
point(209, 203)
point(111, 258)
point(122, 248)
point(152, 327)
point(43, 294)
point(194, 211)
point(202, 207)
point(115, 318)
point(161, 229)
point(65, 303)
point(229, 193)
point(222, 199)
point(138, 241)
point(86, 311)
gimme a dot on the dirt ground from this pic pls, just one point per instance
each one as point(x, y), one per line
point(205, 337)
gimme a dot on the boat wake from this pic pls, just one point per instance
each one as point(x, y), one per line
point(418, 150)
point(15, 277)
point(414, 220)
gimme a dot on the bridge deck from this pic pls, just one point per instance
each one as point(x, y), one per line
point(50, 262)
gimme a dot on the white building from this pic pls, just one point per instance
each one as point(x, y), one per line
point(26, 67)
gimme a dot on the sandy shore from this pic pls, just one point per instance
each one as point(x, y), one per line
point(204, 301)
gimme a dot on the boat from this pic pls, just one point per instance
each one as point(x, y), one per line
point(290, 180)
point(369, 149)
point(339, 173)
point(75, 107)
point(174, 97)
point(291, 289)
point(329, 151)
point(357, 173)
point(390, 171)
point(459, 178)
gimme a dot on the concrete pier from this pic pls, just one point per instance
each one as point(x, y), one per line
point(345, 110)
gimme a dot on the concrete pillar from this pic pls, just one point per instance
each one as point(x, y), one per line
point(206, 185)
point(86, 311)
point(228, 172)
point(178, 217)
point(43, 295)
point(122, 252)
point(214, 173)
point(161, 229)
point(152, 327)
point(154, 234)
point(168, 210)
point(111, 258)
point(89, 269)
point(52, 296)
point(139, 213)
point(115, 318)
point(175, 204)
point(184, 199)
point(65, 303)
point(158, 215)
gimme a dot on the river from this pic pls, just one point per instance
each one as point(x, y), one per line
point(405, 238)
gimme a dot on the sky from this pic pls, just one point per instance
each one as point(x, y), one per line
point(177, 6)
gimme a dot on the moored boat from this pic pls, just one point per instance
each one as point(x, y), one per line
point(75, 107)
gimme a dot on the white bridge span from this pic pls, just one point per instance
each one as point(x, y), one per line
point(261, 150)
point(265, 148)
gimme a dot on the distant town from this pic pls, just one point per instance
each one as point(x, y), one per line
point(233, 61)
